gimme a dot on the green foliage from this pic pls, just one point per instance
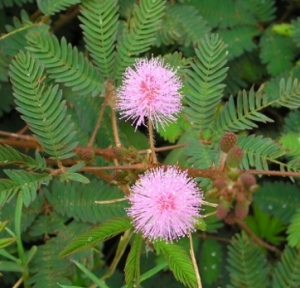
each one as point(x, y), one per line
point(241, 116)
point(278, 199)
point(178, 25)
point(140, 33)
point(246, 263)
point(65, 64)
point(266, 227)
point(132, 266)
point(78, 201)
point(179, 262)
point(203, 88)
point(100, 23)
point(277, 52)
point(210, 261)
point(61, 193)
point(293, 231)
point(41, 107)
point(99, 234)
point(10, 3)
point(286, 273)
point(258, 151)
point(21, 181)
point(10, 156)
point(49, 7)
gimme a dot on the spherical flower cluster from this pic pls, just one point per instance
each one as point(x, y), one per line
point(165, 204)
point(150, 90)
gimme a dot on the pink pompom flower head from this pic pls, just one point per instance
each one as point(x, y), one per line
point(150, 90)
point(165, 204)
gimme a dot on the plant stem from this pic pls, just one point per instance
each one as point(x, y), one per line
point(21, 252)
point(151, 140)
point(192, 253)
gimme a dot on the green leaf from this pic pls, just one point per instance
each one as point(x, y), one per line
point(65, 64)
point(90, 275)
point(239, 40)
point(293, 231)
point(179, 262)
point(266, 227)
point(9, 266)
point(289, 93)
point(277, 52)
point(278, 199)
point(50, 7)
point(210, 261)
point(23, 181)
point(204, 86)
point(99, 234)
point(246, 263)
point(243, 114)
point(10, 156)
point(179, 24)
point(76, 200)
point(100, 23)
point(75, 177)
point(258, 151)
point(287, 271)
point(42, 107)
point(140, 34)
point(290, 142)
point(6, 242)
point(132, 266)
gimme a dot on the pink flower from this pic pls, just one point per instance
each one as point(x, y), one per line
point(149, 90)
point(165, 204)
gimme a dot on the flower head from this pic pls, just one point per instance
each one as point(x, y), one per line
point(165, 204)
point(149, 90)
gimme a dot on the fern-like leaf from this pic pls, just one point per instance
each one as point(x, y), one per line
point(78, 201)
point(296, 31)
point(42, 108)
point(50, 7)
point(48, 269)
point(239, 40)
point(278, 199)
point(141, 34)
point(27, 183)
point(242, 115)
point(277, 52)
point(246, 263)
point(8, 212)
point(289, 93)
point(203, 88)
point(100, 23)
point(223, 14)
point(287, 271)
point(179, 24)
point(99, 234)
point(10, 156)
point(263, 11)
point(258, 151)
point(293, 231)
point(65, 64)
point(132, 266)
point(10, 3)
point(179, 262)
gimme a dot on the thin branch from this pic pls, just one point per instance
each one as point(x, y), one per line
point(256, 239)
point(98, 123)
point(192, 253)
point(165, 148)
point(151, 141)
point(273, 173)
